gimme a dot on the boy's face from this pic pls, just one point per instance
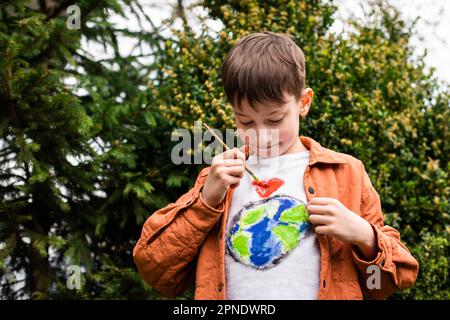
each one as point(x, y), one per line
point(271, 129)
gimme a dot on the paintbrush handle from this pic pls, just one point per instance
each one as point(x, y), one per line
point(228, 148)
point(217, 137)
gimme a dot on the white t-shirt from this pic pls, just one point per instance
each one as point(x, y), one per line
point(271, 249)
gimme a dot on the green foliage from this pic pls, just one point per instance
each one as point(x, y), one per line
point(83, 165)
point(433, 282)
point(79, 162)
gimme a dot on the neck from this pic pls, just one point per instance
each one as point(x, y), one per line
point(297, 146)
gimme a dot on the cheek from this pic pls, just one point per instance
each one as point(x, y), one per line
point(286, 137)
point(288, 134)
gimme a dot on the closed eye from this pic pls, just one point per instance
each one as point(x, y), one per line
point(276, 121)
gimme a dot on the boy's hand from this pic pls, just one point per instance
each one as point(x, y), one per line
point(226, 171)
point(332, 218)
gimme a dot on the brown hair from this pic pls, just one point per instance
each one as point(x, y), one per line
point(261, 67)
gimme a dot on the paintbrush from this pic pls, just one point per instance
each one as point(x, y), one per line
point(250, 172)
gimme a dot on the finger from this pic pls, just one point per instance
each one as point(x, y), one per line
point(317, 209)
point(321, 200)
point(233, 181)
point(228, 162)
point(234, 153)
point(323, 229)
point(317, 219)
point(236, 171)
point(225, 155)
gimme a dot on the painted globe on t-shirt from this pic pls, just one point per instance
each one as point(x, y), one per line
point(264, 232)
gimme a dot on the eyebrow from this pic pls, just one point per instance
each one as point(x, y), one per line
point(272, 113)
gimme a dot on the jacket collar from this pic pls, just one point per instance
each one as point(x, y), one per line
point(319, 154)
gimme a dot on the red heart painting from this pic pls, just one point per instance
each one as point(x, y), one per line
point(265, 189)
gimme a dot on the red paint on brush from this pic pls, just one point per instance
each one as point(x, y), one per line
point(246, 151)
point(265, 189)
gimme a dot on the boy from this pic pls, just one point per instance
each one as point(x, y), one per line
point(313, 230)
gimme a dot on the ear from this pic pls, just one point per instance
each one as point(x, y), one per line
point(306, 100)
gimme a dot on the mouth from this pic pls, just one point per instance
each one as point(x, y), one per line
point(267, 148)
point(265, 151)
point(261, 148)
point(268, 152)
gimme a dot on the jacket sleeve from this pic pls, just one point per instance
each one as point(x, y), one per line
point(165, 254)
point(398, 269)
